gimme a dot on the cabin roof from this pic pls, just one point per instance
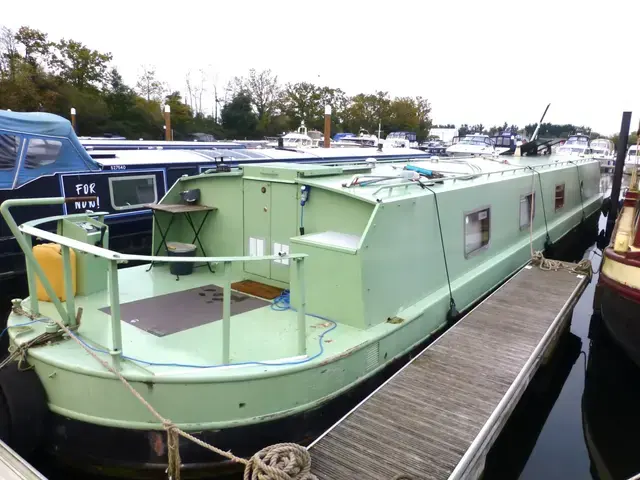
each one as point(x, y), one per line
point(248, 155)
point(93, 143)
point(473, 168)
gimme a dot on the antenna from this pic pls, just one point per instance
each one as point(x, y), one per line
point(535, 133)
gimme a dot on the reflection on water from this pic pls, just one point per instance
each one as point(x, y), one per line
point(606, 181)
point(514, 446)
point(610, 408)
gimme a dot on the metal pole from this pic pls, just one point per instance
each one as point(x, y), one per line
point(302, 321)
point(31, 278)
point(73, 119)
point(226, 313)
point(618, 171)
point(167, 123)
point(116, 330)
point(68, 287)
point(327, 126)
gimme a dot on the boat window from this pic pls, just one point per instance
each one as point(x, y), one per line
point(526, 204)
point(559, 196)
point(41, 152)
point(8, 151)
point(132, 191)
point(476, 230)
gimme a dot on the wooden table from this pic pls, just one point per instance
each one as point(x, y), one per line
point(179, 209)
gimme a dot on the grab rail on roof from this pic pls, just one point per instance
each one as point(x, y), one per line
point(474, 175)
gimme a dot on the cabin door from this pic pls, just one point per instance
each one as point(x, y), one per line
point(270, 213)
point(257, 225)
point(284, 214)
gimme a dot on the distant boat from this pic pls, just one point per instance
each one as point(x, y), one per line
point(298, 139)
point(508, 139)
point(403, 139)
point(578, 139)
point(475, 144)
point(631, 160)
point(573, 150)
point(604, 151)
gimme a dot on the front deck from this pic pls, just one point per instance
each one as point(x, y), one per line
point(438, 416)
point(174, 326)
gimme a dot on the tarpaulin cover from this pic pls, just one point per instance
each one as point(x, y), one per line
point(38, 144)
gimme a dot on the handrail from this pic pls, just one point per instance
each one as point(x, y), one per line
point(474, 175)
point(25, 232)
point(111, 255)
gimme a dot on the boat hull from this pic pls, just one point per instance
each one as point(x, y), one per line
point(619, 306)
point(141, 454)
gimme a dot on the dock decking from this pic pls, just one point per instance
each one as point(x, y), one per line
point(439, 415)
point(14, 467)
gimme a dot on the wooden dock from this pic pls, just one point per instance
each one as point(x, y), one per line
point(438, 416)
point(14, 467)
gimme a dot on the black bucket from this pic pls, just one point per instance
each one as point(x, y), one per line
point(179, 249)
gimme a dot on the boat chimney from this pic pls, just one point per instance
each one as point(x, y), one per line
point(623, 139)
point(167, 123)
point(73, 119)
point(327, 126)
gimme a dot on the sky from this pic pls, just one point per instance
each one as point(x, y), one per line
point(476, 61)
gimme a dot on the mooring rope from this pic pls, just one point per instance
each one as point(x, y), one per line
point(544, 210)
point(283, 461)
point(537, 257)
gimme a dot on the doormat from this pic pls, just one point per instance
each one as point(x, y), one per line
point(257, 289)
point(174, 312)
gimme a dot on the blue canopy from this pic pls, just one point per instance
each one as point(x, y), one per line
point(35, 122)
point(34, 144)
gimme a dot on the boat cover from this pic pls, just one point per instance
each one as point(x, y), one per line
point(33, 144)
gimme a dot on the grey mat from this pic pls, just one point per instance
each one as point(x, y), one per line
point(178, 311)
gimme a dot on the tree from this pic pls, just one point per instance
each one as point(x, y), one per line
point(148, 85)
point(35, 43)
point(264, 90)
point(195, 90)
point(302, 102)
point(9, 55)
point(181, 116)
point(78, 65)
point(367, 110)
point(464, 130)
point(238, 117)
point(633, 139)
point(423, 108)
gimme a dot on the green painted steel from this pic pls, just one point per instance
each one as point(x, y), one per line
point(90, 270)
point(375, 266)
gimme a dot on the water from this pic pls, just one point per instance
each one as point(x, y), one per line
point(589, 385)
point(579, 419)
